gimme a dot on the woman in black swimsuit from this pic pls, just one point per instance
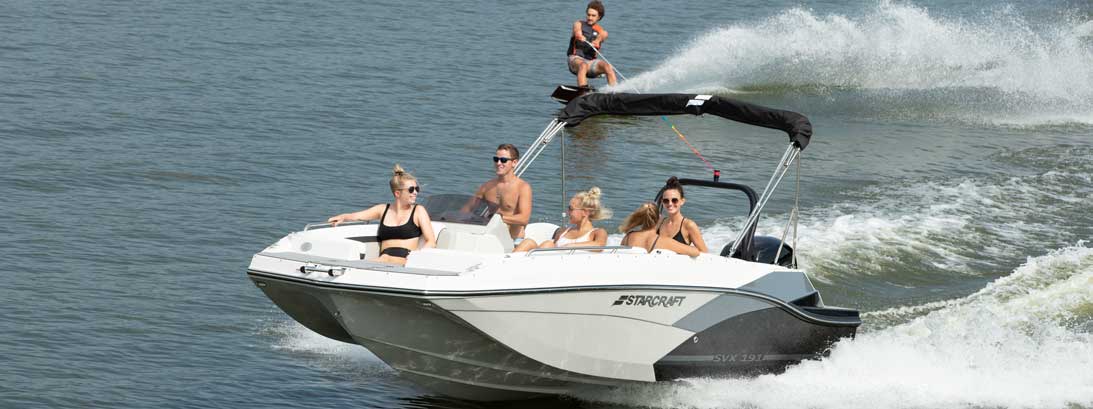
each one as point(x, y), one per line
point(685, 230)
point(640, 229)
point(401, 225)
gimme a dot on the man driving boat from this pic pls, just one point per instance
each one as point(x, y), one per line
point(512, 194)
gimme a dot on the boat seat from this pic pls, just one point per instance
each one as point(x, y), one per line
point(497, 228)
point(491, 238)
point(454, 239)
point(348, 242)
point(371, 246)
point(540, 232)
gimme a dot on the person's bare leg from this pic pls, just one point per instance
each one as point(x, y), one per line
point(609, 70)
point(581, 72)
point(547, 244)
point(525, 245)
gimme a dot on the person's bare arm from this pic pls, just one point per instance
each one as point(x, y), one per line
point(479, 194)
point(372, 213)
point(669, 244)
point(426, 225)
point(577, 31)
point(696, 236)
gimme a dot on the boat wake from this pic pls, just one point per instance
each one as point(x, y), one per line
point(1025, 340)
point(1000, 69)
point(978, 226)
point(293, 337)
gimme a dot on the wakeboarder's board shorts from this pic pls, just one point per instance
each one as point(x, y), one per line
point(593, 72)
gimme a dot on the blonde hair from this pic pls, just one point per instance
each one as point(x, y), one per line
point(590, 200)
point(645, 216)
point(401, 177)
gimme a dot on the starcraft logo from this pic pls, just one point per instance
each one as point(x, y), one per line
point(651, 301)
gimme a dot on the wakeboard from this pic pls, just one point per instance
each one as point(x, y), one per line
point(566, 93)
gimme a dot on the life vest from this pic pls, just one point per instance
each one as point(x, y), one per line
point(584, 50)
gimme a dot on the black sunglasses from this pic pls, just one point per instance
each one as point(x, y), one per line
point(500, 159)
point(673, 200)
point(413, 189)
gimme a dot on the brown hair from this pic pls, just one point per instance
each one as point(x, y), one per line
point(646, 217)
point(591, 200)
point(598, 6)
point(400, 177)
point(512, 150)
point(672, 184)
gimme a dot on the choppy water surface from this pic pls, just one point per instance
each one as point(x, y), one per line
point(151, 148)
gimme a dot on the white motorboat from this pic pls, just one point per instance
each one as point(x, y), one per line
point(473, 320)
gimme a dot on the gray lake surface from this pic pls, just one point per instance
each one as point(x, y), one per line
point(150, 148)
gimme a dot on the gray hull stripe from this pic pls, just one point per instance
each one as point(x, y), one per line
point(783, 285)
point(724, 307)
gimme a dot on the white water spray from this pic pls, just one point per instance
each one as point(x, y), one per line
point(1023, 341)
point(999, 64)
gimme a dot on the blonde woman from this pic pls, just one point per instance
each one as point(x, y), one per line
point(640, 228)
point(401, 225)
point(584, 207)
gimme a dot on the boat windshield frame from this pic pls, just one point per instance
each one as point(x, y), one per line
point(460, 208)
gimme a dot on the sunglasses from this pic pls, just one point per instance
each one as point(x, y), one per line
point(501, 159)
point(413, 189)
point(673, 200)
point(571, 208)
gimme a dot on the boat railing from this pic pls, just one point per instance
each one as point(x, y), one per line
point(327, 225)
point(571, 250)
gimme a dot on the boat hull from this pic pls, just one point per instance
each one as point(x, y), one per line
point(526, 344)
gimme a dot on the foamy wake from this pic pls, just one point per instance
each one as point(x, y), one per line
point(1023, 341)
point(971, 226)
point(293, 337)
point(1031, 75)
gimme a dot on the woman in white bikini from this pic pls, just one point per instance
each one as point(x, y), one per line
point(583, 209)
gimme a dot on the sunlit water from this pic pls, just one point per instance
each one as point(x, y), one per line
point(151, 148)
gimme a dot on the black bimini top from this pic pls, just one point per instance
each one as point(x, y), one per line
point(796, 125)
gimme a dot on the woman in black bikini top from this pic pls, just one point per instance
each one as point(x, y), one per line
point(397, 240)
point(671, 197)
point(640, 229)
point(408, 230)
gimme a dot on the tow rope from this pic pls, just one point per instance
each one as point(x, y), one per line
point(684, 139)
point(716, 172)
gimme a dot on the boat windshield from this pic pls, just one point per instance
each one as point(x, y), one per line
point(460, 208)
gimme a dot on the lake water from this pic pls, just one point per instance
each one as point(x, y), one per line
point(151, 148)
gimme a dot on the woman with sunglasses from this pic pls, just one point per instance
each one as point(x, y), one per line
point(640, 228)
point(675, 226)
point(401, 225)
point(584, 207)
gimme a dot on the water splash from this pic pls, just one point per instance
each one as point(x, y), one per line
point(999, 69)
point(969, 226)
point(293, 337)
point(1023, 341)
